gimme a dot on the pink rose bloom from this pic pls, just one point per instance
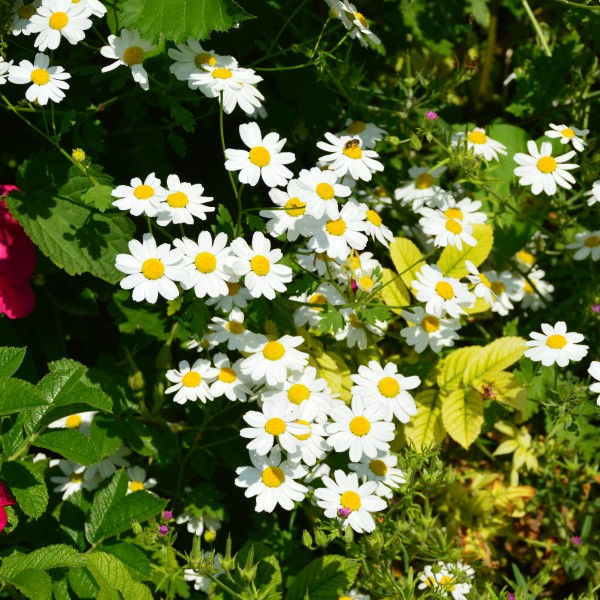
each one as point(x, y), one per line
point(5, 500)
point(17, 262)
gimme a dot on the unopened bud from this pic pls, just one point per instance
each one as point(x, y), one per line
point(78, 155)
point(210, 536)
point(320, 538)
point(136, 381)
point(307, 539)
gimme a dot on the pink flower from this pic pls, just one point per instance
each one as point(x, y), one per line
point(431, 116)
point(17, 263)
point(5, 500)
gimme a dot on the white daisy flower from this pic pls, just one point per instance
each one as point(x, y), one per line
point(587, 245)
point(80, 421)
point(138, 481)
point(454, 579)
point(47, 83)
point(259, 267)
point(181, 202)
point(4, 69)
point(465, 210)
point(367, 280)
point(429, 330)
point(506, 289)
point(276, 424)
point(480, 144)
point(139, 198)
point(383, 469)
point(594, 371)
point(447, 231)
point(202, 583)
point(364, 262)
point(322, 189)
point(95, 7)
point(430, 578)
point(361, 429)
point(341, 232)
point(21, 16)
point(75, 478)
point(272, 482)
point(354, 594)
point(311, 446)
point(422, 189)
point(237, 296)
point(271, 360)
point(196, 522)
point(384, 385)
point(594, 193)
point(291, 218)
point(555, 345)
point(483, 286)
point(375, 227)
point(355, 331)
point(56, 19)
point(311, 312)
point(542, 171)
point(264, 159)
point(538, 293)
point(205, 262)
point(191, 58)
point(343, 498)
point(129, 50)
point(111, 464)
point(347, 156)
point(354, 21)
point(369, 133)
point(191, 383)
point(151, 270)
point(525, 259)
point(231, 331)
point(568, 135)
point(237, 86)
point(230, 381)
point(442, 294)
point(321, 264)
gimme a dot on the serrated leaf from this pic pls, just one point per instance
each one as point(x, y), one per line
point(83, 584)
point(407, 259)
point(136, 562)
point(179, 19)
point(452, 260)
point(497, 356)
point(28, 487)
point(394, 293)
point(10, 360)
point(462, 415)
point(104, 500)
point(502, 387)
point(33, 584)
point(99, 196)
point(324, 578)
point(106, 432)
point(71, 444)
point(331, 320)
point(332, 368)
point(49, 557)
point(111, 573)
point(426, 428)
point(451, 369)
point(18, 395)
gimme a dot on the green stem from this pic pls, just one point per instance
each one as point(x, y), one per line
point(238, 224)
point(537, 28)
point(284, 26)
point(575, 5)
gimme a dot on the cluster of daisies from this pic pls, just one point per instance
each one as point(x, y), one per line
point(448, 579)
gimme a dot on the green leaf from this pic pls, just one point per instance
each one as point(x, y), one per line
point(407, 259)
point(28, 487)
point(324, 578)
point(140, 505)
point(179, 19)
point(105, 430)
point(199, 317)
point(99, 196)
point(49, 557)
point(104, 500)
point(137, 563)
point(18, 395)
point(268, 573)
point(394, 293)
point(71, 444)
point(450, 370)
point(331, 320)
point(452, 260)
point(111, 573)
point(33, 584)
point(132, 317)
point(497, 356)
point(10, 360)
point(462, 414)
point(426, 428)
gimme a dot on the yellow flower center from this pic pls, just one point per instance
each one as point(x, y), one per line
point(592, 241)
point(350, 500)
point(26, 11)
point(233, 288)
point(40, 76)
point(295, 207)
point(568, 133)
point(298, 393)
point(447, 582)
point(355, 127)
point(445, 290)
point(373, 217)
point(337, 227)
point(454, 213)
point(388, 387)
point(378, 467)
point(477, 137)
point(134, 55)
point(354, 320)
point(353, 152)
point(498, 287)
point(273, 477)
point(73, 422)
point(58, 20)
point(210, 536)
point(204, 58)
point(260, 265)
point(528, 288)
point(526, 257)
point(430, 323)
point(485, 281)
point(424, 181)
point(275, 426)
point(303, 436)
point(76, 477)
point(177, 200)
point(205, 262)
point(556, 341)
point(226, 375)
point(546, 164)
point(431, 581)
point(153, 268)
point(222, 73)
point(453, 226)
point(325, 191)
point(361, 19)
point(143, 192)
point(366, 282)
point(317, 299)
point(345, 598)
point(191, 379)
point(259, 156)
point(360, 426)
point(273, 351)
point(234, 327)
point(136, 486)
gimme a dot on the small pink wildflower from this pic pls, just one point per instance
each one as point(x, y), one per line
point(167, 515)
point(344, 512)
point(163, 530)
point(431, 116)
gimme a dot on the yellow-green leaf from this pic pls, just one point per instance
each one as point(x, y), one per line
point(497, 356)
point(452, 260)
point(332, 368)
point(452, 368)
point(407, 259)
point(480, 306)
point(503, 387)
point(462, 415)
point(394, 292)
point(425, 429)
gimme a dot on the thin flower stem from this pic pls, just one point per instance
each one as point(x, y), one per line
point(537, 28)
point(292, 68)
point(575, 5)
point(284, 26)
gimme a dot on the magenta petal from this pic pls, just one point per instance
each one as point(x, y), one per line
point(3, 519)
point(16, 301)
point(17, 252)
point(5, 498)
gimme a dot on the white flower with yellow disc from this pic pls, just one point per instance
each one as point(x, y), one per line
point(421, 190)
point(369, 133)
point(74, 478)
point(57, 19)
point(594, 193)
point(181, 202)
point(230, 381)
point(383, 469)
point(446, 231)
point(322, 190)
point(536, 292)
point(312, 304)
point(429, 330)
point(191, 58)
point(47, 83)
point(231, 331)
point(138, 481)
point(480, 143)
point(587, 244)
point(555, 345)
point(191, 382)
point(139, 197)
point(21, 16)
point(568, 135)
point(237, 296)
point(80, 421)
